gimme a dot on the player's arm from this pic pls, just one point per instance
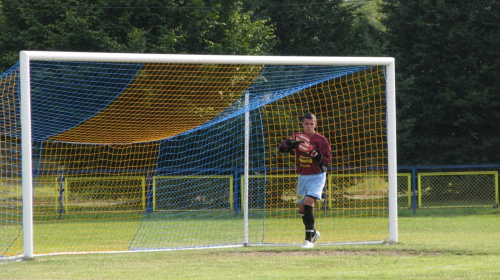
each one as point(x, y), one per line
point(290, 143)
point(322, 155)
point(326, 152)
point(307, 148)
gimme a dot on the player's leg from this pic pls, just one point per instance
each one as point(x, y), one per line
point(305, 211)
point(301, 197)
point(308, 218)
point(308, 190)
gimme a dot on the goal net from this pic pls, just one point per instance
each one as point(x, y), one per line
point(121, 152)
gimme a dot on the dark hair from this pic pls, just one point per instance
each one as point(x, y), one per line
point(309, 116)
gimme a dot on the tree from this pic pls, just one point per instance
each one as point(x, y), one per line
point(155, 26)
point(447, 60)
point(241, 31)
point(327, 28)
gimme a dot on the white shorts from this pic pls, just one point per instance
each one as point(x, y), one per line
point(310, 185)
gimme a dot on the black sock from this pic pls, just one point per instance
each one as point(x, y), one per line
point(308, 220)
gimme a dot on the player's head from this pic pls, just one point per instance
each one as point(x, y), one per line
point(309, 116)
point(309, 123)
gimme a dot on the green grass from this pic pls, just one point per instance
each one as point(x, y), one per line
point(77, 232)
point(446, 244)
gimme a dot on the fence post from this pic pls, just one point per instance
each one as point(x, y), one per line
point(414, 190)
point(497, 191)
point(149, 194)
point(237, 191)
point(60, 182)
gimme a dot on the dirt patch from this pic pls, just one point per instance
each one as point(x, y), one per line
point(319, 252)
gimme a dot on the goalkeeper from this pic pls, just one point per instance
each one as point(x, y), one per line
point(312, 154)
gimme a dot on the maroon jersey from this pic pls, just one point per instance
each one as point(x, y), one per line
point(307, 165)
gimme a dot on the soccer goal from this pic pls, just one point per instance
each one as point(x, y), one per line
point(123, 152)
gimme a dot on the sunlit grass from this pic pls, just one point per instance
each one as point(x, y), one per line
point(458, 244)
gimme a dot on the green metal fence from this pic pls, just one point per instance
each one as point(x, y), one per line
point(450, 186)
point(457, 189)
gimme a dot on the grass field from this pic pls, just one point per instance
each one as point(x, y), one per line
point(434, 244)
point(81, 232)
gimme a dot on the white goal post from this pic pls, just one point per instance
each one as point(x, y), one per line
point(27, 57)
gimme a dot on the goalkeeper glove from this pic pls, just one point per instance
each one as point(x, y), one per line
point(316, 155)
point(296, 138)
point(309, 149)
point(300, 137)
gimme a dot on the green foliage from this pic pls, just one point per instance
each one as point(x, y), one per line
point(238, 33)
point(153, 26)
point(192, 26)
point(446, 51)
point(447, 59)
point(329, 28)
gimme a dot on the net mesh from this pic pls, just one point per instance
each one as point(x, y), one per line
point(131, 156)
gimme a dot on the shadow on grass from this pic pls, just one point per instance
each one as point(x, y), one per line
point(448, 212)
